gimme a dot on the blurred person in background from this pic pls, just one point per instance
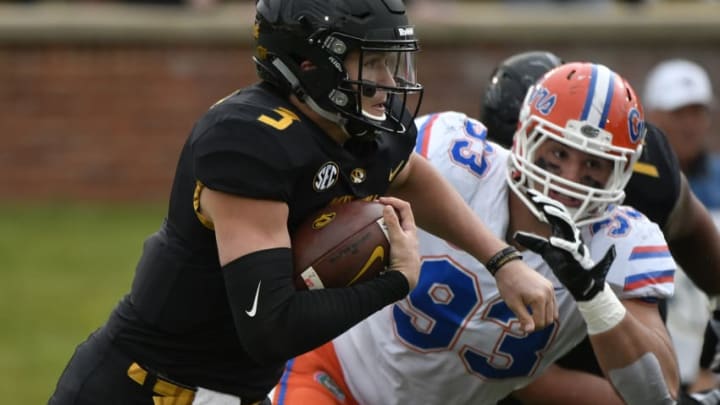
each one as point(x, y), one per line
point(192, 4)
point(685, 221)
point(559, 2)
point(679, 98)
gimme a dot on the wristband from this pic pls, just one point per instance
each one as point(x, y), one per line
point(603, 312)
point(501, 258)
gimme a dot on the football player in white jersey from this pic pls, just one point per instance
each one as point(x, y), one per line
point(659, 190)
point(453, 340)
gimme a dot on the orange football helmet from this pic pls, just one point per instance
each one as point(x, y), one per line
point(590, 108)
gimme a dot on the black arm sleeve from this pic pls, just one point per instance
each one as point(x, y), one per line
point(275, 322)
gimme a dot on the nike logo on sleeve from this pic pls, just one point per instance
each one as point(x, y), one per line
point(253, 310)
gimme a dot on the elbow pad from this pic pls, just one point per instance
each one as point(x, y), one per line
point(274, 322)
point(642, 382)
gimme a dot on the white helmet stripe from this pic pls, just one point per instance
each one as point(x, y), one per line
point(600, 93)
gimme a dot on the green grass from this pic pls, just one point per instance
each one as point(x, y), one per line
point(64, 267)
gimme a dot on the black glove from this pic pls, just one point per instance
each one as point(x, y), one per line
point(710, 355)
point(565, 252)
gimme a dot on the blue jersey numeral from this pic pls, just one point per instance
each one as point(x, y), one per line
point(438, 310)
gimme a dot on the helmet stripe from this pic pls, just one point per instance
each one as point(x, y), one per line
point(610, 78)
point(599, 97)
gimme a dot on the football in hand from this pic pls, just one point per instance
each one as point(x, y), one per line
point(341, 245)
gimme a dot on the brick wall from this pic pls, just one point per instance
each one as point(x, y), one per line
point(106, 120)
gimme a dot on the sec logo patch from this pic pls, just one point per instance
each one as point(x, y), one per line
point(326, 177)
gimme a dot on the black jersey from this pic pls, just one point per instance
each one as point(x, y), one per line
point(176, 318)
point(654, 187)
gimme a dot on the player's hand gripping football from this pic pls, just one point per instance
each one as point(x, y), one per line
point(565, 251)
point(402, 232)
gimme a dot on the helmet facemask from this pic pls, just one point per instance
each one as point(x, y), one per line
point(379, 90)
point(527, 170)
point(578, 107)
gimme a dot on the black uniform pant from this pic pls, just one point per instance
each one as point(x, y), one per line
point(97, 374)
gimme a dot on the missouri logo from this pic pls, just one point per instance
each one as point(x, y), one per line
point(326, 177)
point(358, 175)
point(323, 220)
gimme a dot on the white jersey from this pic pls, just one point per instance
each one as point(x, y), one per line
point(453, 340)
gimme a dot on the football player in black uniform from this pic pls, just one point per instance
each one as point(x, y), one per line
point(212, 314)
point(657, 188)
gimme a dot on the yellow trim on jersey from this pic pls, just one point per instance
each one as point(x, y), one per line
point(646, 169)
point(196, 206)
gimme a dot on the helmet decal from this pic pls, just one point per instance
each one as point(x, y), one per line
point(544, 101)
point(636, 125)
point(599, 96)
point(406, 31)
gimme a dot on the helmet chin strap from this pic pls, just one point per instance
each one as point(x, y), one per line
point(303, 96)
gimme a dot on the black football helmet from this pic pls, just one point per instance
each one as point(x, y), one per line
point(290, 33)
point(506, 90)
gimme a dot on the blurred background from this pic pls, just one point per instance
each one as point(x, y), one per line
point(97, 97)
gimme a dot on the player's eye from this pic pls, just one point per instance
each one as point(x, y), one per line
point(559, 153)
point(379, 60)
point(594, 164)
point(374, 62)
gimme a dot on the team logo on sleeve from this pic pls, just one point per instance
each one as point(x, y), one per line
point(326, 177)
point(326, 381)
